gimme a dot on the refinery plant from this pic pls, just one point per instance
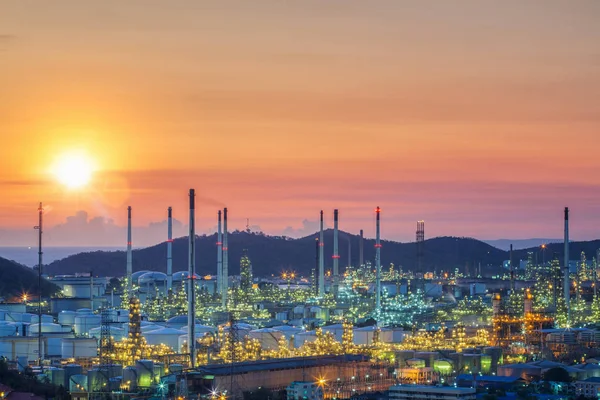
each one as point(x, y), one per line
point(341, 332)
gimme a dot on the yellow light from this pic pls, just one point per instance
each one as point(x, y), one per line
point(74, 170)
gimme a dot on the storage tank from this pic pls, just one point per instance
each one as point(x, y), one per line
point(337, 330)
point(564, 337)
point(122, 315)
point(79, 347)
point(398, 335)
point(54, 346)
point(496, 356)
point(97, 380)
point(46, 328)
point(8, 328)
point(428, 356)
point(159, 371)
point(78, 384)
point(67, 318)
point(175, 368)
point(443, 366)
point(472, 362)
point(303, 337)
point(56, 376)
point(70, 370)
point(116, 333)
point(83, 311)
point(200, 329)
point(13, 347)
point(167, 336)
point(19, 317)
point(130, 378)
point(83, 323)
point(486, 364)
point(145, 373)
point(243, 330)
point(268, 338)
point(45, 319)
point(458, 360)
point(415, 363)
point(136, 275)
point(402, 356)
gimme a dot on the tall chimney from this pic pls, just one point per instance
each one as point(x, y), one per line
point(191, 283)
point(361, 249)
point(225, 269)
point(170, 251)
point(317, 258)
point(129, 258)
point(512, 270)
point(321, 260)
point(349, 251)
point(567, 284)
point(219, 256)
point(336, 254)
point(377, 263)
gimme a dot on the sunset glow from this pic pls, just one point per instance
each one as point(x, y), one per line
point(73, 170)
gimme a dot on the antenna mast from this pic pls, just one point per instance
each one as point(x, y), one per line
point(40, 253)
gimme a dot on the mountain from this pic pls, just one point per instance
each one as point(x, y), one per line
point(271, 255)
point(590, 248)
point(520, 244)
point(17, 279)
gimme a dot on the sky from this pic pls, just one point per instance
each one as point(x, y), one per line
point(480, 117)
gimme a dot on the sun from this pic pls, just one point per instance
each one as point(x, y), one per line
point(74, 170)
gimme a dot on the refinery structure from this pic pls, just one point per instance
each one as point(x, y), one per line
point(340, 332)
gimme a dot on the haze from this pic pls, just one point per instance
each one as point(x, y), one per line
point(480, 117)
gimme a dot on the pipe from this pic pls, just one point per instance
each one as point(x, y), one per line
point(321, 260)
point(225, 273)
point(567, 284)
point(378, 262)
point(170, 251)
point(219, 255)
point(336, 254)
point(191, 283)
point(129, 255)
point(361, 249)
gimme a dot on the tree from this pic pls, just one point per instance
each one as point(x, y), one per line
point(557, 374)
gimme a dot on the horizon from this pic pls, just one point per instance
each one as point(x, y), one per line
point(478, 119)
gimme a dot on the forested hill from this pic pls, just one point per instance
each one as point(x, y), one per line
point(17, 279)
point(274, 254)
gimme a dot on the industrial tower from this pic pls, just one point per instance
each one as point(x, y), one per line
point(420, 245)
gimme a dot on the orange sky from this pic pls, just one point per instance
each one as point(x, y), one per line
point(482, 118)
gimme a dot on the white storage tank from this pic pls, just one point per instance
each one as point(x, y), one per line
point(8, 328)
point(116, 333)
point(97, 380)
point(54, 346)
point(67, 318)
point(145, 372)
point(19, 317)
point(70, 370)
point(159, 371)
point(79, 347)
point(78, 383)
point(83, 323)
point(84, 311)
point(337, 330)
point(130, 378)
point(268, 338)
point(365, 335)
point(303, 337)
point(56, 376)
point(167, 336)
point(201, 329)
point(46, 328)
point(45, 319)
point(13, 347)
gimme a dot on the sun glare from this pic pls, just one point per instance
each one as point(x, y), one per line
point(74, 170)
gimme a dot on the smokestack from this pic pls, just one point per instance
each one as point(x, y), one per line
point(567, 285)
point(361, 257)
point(170, 251)
point(512, 270)
point(219, 255)
point(191, 283)
point(349, 252)
point(321, 260)
point(377, 262)
point(92, 290)
point(317, 258)
point(129, 257)
point(336, 254)
point(225, 269)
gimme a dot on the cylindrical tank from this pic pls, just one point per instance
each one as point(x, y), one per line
point(8, 328)
point(458, 360)
point(402, 356)
point(175, 368)
point(116, 333)
point(443, 366)
point(56, 376)
point(114, 384)
point(54, 346)
point(337, 330)
point(46, 328)
point(415, 363)
point(130, 378)
point(486, 364)
point(268, 338)
point(83, 323)
point(67, 318)
point(145, 372)
point(167, 336)
point(79, 347)
point(428, 356)
point(159, 371)
point(13, 347)
point(78, 383)
point(496, 356)
point(84, 311)
point(70, 370)
point(472, 362)
point(45, 319)
point(303, 337)
point(97, 380)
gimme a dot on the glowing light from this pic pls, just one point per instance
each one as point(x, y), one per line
point(74, 170)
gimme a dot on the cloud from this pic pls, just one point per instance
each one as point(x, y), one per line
point(308, 228)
